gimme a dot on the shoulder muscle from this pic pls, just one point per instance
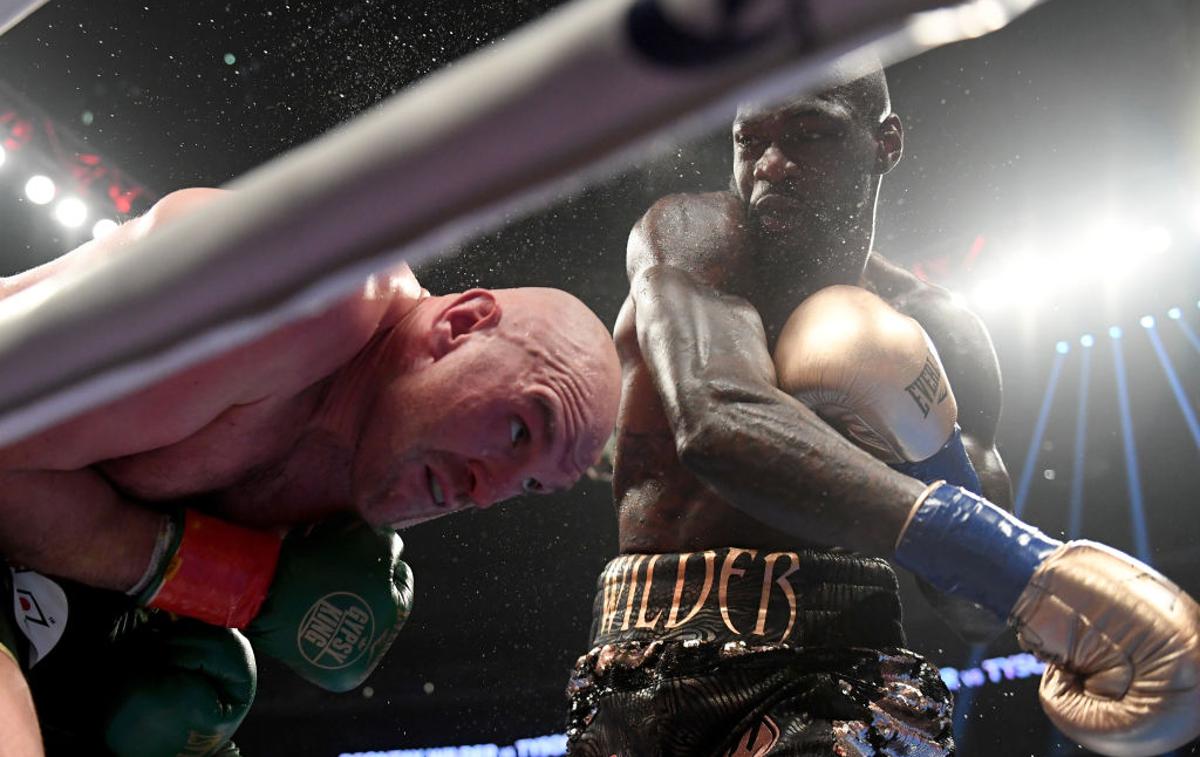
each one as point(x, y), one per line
point(702, 234)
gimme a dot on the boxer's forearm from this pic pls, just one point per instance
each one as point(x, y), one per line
point(782, 465)
point(75, 525)
point(760, 449)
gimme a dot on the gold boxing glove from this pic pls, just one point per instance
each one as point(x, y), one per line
point(1123, 646)
point(869, 371)
point(1122, 642)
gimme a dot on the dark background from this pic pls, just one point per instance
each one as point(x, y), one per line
point(1019, 146)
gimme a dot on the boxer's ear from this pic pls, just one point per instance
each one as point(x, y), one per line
point(468, 313)
point(889, 140)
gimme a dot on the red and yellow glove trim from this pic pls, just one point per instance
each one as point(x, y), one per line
point(219, 573)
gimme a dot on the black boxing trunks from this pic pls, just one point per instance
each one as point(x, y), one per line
point(747, 653)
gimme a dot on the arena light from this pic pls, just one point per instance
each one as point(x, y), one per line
point(1147, 321)
point(1174, 314)
point(991, 294)
point(1117, 247)
point(40, 189)
point(71, 212)
point(1087, 340)
point(1157, 240)
point(1109, 251)
point(1026, 282)
point(103, 228)
point(1114, 332)
point(3, 155)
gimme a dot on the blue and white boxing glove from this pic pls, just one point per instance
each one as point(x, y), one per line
point(1122, 642)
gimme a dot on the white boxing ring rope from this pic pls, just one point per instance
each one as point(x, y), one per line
point(439, 162)
point(13, 11)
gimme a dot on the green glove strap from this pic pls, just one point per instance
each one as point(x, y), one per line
point(340, 595)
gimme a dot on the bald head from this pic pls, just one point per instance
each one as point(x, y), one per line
point(481, 396)
point(573, 353)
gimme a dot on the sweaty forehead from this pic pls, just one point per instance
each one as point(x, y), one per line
point(570, 419)
point(830, 104)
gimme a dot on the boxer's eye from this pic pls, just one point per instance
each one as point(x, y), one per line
point(531, 486)
point(745, 141)
point(518, 432)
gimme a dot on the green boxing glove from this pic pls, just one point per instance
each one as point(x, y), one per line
point(182, 690)
point(327, 600)
point(341, 594)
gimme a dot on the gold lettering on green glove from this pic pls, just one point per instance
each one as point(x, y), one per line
point(336, 631)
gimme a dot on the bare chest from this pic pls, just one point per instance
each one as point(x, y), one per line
point(661, 506)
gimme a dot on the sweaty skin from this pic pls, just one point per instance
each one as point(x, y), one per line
point(18, 721)
point(392, 403)
point(709, 451)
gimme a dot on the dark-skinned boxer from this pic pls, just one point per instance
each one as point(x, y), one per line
point(751, 612)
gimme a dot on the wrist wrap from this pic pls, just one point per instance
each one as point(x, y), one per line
point(949, 464)
point(217, 572)
point(965, 545)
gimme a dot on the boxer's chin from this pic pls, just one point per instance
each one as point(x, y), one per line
point(773, 224)
point(386, 504)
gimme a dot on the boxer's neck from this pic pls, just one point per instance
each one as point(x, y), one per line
point(397, 347)
point(788, 271)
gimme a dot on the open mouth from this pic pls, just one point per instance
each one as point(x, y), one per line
point(435, 488)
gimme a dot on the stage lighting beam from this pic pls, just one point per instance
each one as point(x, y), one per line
point(1075, 514)
point(1181, 398)
point(1039, 431)
point(1133, 477)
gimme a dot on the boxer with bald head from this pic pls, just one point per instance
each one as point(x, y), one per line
point(795, 410)
point(390, 407)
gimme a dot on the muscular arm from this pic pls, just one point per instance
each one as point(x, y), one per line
point(59, 514)
point(760, 449)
